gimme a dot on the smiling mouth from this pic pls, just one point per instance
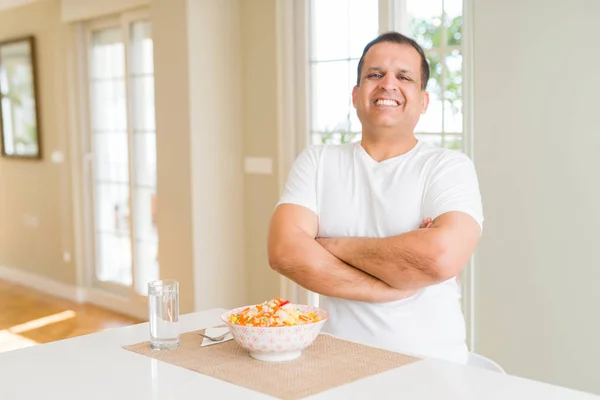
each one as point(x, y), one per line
point(386, 103)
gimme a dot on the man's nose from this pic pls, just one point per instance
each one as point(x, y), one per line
point(388, 83)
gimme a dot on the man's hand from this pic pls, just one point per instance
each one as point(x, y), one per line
point(426, 223)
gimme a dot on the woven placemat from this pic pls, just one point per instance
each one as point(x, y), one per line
point(327, 363)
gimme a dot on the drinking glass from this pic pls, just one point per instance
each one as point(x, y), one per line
point(163, 306)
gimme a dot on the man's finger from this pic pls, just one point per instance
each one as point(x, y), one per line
point(426, 223)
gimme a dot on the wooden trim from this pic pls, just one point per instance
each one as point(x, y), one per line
point(286, 110)
point(74, 55)
point(110, 301)
point(41, 283)
point(468, 274)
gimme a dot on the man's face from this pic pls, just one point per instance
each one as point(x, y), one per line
point(389, 94)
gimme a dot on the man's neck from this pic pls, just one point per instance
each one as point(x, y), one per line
point(384, 147)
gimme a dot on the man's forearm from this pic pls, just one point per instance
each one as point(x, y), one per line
point(409, 261)
point(313, 267)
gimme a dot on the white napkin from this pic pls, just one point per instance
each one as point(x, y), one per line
point(214, 332)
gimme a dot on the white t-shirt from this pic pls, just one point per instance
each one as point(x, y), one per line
point(354, 195)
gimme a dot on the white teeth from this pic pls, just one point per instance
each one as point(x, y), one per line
point(381, 102)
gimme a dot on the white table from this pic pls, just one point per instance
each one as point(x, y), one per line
point(97, 367)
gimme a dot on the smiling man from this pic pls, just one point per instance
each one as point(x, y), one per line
point(349, 225)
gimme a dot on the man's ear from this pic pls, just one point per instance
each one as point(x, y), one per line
point(425, 102)
point(354, 95)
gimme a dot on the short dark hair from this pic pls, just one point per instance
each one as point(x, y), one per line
point(395, 37)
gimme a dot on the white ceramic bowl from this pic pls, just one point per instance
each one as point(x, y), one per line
point(279, 343)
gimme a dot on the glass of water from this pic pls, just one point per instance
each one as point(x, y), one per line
point(163, 306)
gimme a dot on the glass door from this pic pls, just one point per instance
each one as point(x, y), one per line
point(124, 236)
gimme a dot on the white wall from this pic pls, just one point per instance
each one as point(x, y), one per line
point(173, 131)
point(78, 10)
point(537, 145)
point(216, 146)
point(260, 112)
point(35, 204)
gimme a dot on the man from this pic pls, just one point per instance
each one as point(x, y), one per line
point(350, 223)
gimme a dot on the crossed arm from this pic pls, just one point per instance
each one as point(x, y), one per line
point(369, 269)
point(294, 253)
point(415, 259)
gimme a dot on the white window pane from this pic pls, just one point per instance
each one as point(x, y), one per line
point(146, 235)
point(334, 138)
point(435, 74)
point(111, 160)
point(355, 125)
point(143, 103)
point(431, 121)
point(145, 214)
point(141, 48)
point(422, 9)
point(331, 96)
point(108, 104)
point(453, 13)
point(436, 140)
point(352, 74)
point(113, 258)
point(316, 138)
point(113, 243)
point(453, 8)
point(109, 109)
point(147, 268)
point(101, 94)
point(329, 29)
point(145, 159)
point(120, 106)
point(107, 54)
point(364, 23)
point(454, 142)
point(453, 116)
point(453, 93)
point(426, 22)
point(111, 207)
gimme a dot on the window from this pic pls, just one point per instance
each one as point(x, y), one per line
point(328, 37)
point(123, 144)
point(338, 32)
point(436, 26)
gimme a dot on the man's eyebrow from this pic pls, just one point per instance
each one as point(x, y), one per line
point(403, 70)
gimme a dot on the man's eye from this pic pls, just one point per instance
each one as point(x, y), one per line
point(375, 75)
point(404, 78)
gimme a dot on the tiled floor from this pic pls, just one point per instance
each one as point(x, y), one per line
point(28, 317)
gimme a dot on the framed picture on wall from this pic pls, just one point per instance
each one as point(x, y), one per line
point(19, 115)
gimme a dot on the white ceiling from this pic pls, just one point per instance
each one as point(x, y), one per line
point(6, 4)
